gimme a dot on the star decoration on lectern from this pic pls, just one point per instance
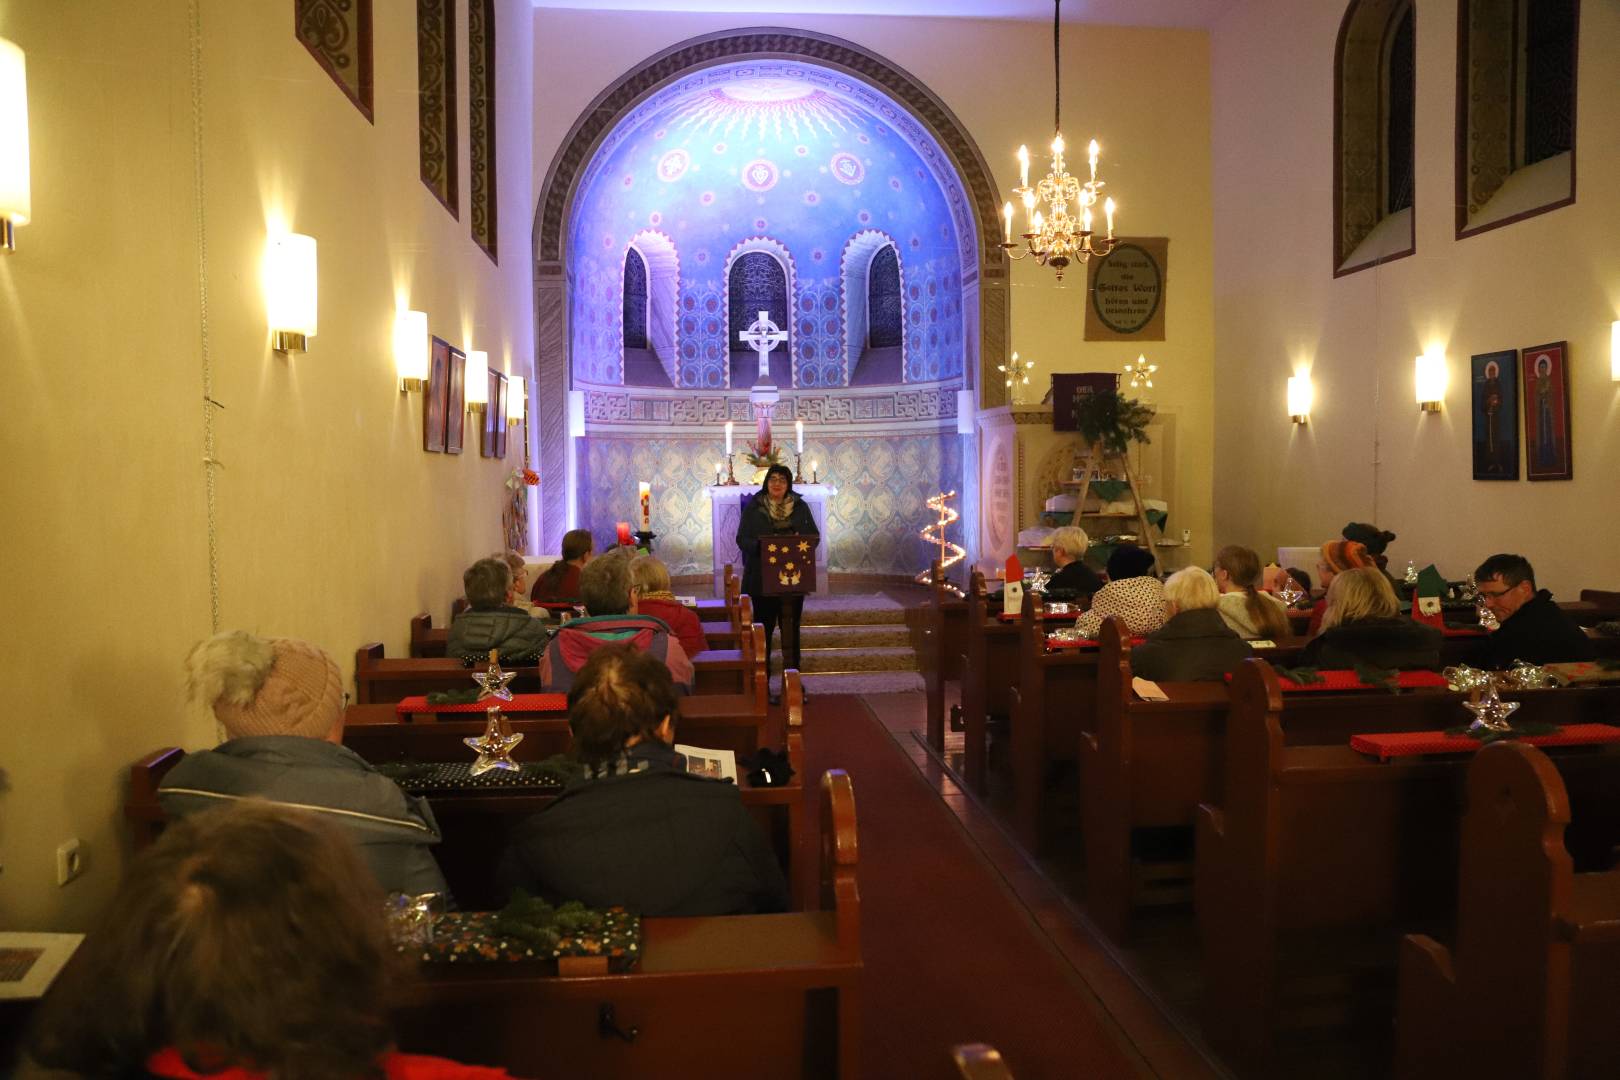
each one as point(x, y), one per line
point(1490, 712)
point(493, 682)
point(494, 746)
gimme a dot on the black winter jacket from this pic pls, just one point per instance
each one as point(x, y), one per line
point(657, 840)
point(1539, 633)
point(755, 522)
point(1193, 646)
point(1397, 642)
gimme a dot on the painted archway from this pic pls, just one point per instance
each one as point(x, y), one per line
point(947, 157)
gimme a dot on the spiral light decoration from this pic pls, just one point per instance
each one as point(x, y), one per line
point(949, 554)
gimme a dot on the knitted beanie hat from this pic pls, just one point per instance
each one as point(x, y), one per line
point(1342, 555)
point(266, 687)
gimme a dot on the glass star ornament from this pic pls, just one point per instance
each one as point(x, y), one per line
point(1411, 573)
point(1487, 617)
point(1289, 591)
point(1490, 713)
point(495, 745)
point(1524, 675)
point(492, 681)
point(1463, 677)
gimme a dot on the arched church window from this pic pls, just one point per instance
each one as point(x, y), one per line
point(1516, 115)
point(635, 300)
point(883, 300)
point(1374, 119)
point(757, 282)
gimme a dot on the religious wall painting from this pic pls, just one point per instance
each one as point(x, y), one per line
point(436, 398)
point(494, 414)
point(1494, 381)
point(1548, 454)
point(455, 417)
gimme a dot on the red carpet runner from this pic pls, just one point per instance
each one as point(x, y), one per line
point(950, 956)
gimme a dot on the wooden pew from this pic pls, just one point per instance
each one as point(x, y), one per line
point(736, 611)
point(1531, 988)
point(730, 996)
point(379, 679)
point(1318, 853)
point(988, 667)
point(1051, 705)
point(476, 823)
point(940, 655)
point(977, 1061)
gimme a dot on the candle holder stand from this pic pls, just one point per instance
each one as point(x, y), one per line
point(798, 467)
point(645, 539)
point(731, 473)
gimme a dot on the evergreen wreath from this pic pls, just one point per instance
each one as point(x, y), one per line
point(1105, 417)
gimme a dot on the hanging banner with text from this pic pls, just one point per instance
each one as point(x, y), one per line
point(1125, 292)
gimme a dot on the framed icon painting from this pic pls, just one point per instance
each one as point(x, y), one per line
point(455, 417)
point(437, 397)
point(1494, 379)
point(1547, 451)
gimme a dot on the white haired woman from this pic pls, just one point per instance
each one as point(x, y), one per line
point(1194, 644)
point(1074, 579)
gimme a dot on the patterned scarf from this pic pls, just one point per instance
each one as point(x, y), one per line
point(781, 512)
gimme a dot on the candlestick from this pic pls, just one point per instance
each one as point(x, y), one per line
point(728, 438)
point(644, 496)
point(731, 473)
point(798, 434)
point(798, 473)
point(814, 470)
point(717, 474)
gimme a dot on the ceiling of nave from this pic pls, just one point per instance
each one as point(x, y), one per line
point(1184, 13)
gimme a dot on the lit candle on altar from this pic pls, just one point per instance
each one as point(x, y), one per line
point(1108, 208)
point(644, 494)
point(798, 433)
point(717, 473)
point(1006, 217)
point(1091, 152)
point(728, 438)
point(623, 530)
point(814, 468)
point(1023, 166)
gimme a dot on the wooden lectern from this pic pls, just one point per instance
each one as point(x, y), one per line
point(787, 564)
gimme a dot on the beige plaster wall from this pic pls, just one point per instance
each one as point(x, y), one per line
point(1367, 454)
point(329, 522)
point(1144, 94)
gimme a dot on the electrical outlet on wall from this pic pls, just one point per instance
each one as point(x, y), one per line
point(69, 861)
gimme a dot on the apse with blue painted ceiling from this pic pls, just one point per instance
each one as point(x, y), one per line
point(777, 187)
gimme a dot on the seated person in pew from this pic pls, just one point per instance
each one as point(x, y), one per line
point(1132, 593)
point(281, 703)
point(1074, 580)
point(640, 831)
point(1246, 609)
point(559, 584)
point(1195, 644)
point(491, 623)
point(1532, 627)
point(246, 944)
point(653, 597)
point(517, 592)
point(611, 619)
point(1338, 557)
point(1364, 624)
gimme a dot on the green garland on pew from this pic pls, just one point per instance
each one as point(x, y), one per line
point(1382, 678)
point(468, 696)
point(1301, 676)
point(529, 918)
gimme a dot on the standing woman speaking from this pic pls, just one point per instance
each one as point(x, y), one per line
point(775, 510)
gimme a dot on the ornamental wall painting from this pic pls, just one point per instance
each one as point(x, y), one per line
point(1494, 381)
point(1548, 454)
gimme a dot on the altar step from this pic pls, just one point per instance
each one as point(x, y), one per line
point(853, 643)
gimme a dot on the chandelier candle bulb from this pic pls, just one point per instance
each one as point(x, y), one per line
point(644, 495)
point(1085, 220)
point(1091, 153)
point(1006, 228)
point(1023, 166)
point(1108, 209)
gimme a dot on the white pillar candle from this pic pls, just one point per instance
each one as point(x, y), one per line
point(728, 438)
point(798, 432)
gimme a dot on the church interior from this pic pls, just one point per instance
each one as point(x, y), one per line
point(351, 293)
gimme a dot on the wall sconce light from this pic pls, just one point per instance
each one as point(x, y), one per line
point(289, 291)
point(15, 207)
point(1430, 381)
point(477, 381)
point(411, 350)
point(1614, 350)
point(1299, 398)
point(517, 400)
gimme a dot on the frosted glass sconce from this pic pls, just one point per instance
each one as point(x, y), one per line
point(517, 399)
point(477, 381)
point(1430, 381)
point(289, 291)
point(15, 203)
point(411, 355)
point(1300, 397)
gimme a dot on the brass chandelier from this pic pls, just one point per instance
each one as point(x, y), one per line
point(1056, 237)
